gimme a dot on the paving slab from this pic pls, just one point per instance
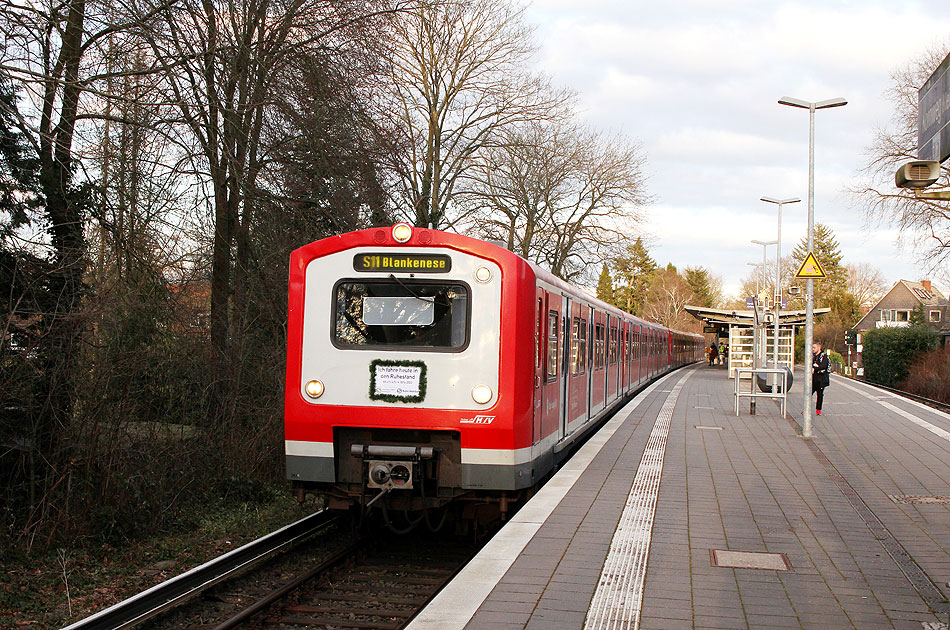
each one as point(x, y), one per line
point(852, 555)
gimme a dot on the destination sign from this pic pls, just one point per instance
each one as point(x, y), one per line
point(415, 263)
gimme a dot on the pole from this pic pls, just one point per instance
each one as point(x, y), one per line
point(810, 284)
point(763, 327)
point(777, 295)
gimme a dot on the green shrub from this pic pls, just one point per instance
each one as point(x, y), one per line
point(889, 351)
point(835, 357)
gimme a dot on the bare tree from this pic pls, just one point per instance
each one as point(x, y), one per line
point(513, 184)
point(459, 75)
point(866, 283)
point(222, 64)
point(925, 222)
point(668, 294)
point(51, 54)
point(559, 194)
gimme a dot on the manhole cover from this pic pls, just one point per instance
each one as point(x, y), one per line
point(749, 560)
point(908, 498)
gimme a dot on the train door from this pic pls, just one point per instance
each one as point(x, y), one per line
point(590, 360)
point(539, 365)
point(599, 368)
point(629, 356)
point(653, 353)
point(610, 387)
point(638, 352)
point(624, 357)
point(669, 349)
point(565, 366)
point(552, 389)
point(576, 373)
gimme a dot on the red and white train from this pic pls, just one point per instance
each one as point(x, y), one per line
point(425, 367)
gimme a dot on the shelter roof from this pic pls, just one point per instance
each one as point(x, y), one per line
point(740, 317)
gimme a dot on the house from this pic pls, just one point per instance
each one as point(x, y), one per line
point(895, 308)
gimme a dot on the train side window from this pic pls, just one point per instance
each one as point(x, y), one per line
point(613, 345)
point(576, 346)
point(552, 345)
point(582, 347)
point(599, 346)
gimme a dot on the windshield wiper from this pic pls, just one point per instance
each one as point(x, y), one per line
point(411, 292)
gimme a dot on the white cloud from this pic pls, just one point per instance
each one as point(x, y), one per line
point(697, 82)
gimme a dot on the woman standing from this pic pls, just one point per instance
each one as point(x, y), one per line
point(820, 376)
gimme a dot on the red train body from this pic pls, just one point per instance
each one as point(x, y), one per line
point(425, 367)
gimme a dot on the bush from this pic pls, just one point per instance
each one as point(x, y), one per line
point(833, 358)
point(888, 352)
point(929, 376)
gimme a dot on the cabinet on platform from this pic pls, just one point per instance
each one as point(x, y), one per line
point(742, 347)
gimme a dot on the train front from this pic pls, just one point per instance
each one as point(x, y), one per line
point(408, 383)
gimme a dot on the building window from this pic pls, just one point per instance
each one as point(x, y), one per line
point(894, 315)
point(935, 316)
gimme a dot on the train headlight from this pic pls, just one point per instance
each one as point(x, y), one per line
point(402, 232)
point(483, 275)
point(314, 389)
point(481, 394)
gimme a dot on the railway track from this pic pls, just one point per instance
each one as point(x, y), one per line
point(936, 404)
point(380, 586)
point(331, 579)
point(188, 585)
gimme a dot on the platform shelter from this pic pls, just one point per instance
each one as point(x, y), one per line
point(749, 332)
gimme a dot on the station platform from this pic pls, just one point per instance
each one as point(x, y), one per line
point(678, 514)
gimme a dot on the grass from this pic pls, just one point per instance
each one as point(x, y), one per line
point(64, 585)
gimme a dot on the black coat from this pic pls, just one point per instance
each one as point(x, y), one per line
point(820, 375)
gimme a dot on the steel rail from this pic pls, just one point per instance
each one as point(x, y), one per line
point(283, 591)
point(170, 593)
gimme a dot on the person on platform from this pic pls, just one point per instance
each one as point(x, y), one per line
point(713, 355)
point(820, 376)
point(722, 352)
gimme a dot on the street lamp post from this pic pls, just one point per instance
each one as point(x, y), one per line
point(810, 284)
point(761, 347)
point(778, 275)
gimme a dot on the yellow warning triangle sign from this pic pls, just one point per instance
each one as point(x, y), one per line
point(810, 268)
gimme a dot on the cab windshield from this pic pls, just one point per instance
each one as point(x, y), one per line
point(401, 314)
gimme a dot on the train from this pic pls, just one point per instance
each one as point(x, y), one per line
point(429, 371)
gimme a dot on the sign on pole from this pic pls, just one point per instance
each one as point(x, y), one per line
point(810, 268)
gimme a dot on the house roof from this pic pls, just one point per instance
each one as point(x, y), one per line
point(925, 296)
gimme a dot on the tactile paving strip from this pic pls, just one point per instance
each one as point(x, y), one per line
point(909, 498)
point(619, 595)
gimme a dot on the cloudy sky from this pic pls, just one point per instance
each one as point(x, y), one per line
point(697, 83)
